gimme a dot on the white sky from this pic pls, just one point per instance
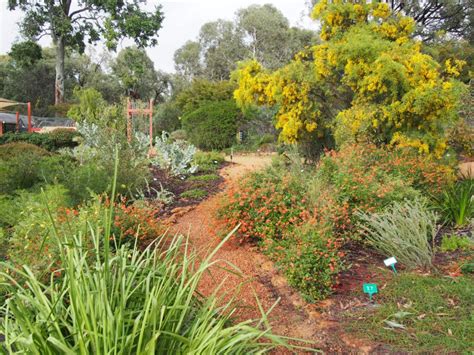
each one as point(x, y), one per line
point(183, 19)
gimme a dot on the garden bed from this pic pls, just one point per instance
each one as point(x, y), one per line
point(187, 191)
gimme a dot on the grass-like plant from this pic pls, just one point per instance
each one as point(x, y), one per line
point(124, 301)
point(456, 203)
point(404, 230)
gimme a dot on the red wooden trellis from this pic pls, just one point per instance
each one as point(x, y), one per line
point(131, 110)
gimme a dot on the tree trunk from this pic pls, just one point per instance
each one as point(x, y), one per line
point(59, 84)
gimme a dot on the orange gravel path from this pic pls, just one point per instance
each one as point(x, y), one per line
point(291, 316)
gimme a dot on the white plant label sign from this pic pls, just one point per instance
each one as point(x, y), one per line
point(390, 261)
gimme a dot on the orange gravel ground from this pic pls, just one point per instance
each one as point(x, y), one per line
point(292, 316)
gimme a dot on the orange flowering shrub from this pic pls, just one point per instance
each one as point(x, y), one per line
point(265, 205)
point(274, 211)
point(369, 178)
point(138, 220)
point(301, 218)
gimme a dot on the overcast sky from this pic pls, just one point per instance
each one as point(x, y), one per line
point(183, 19)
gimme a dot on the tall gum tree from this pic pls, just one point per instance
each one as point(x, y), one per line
point(74, 23)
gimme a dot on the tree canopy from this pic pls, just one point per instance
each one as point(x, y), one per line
point(72, 24)
point(367, 80)
point(258, 31)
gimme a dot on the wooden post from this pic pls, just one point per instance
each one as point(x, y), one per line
point(1, 128)
point(30, 128)
point(17, 121)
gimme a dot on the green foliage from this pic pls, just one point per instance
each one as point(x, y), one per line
point(208, 161)
point(456, 202)
point(11, 151)
point(310, 262)
point(468, 267)
point(274, 208)
point(52, 141)
point(258, 31)
point(207, 177)
point(119, 19)
point(404, 230)
point(213, 125)
point(97, 149)
point(435, 314)
point(86, 180)
point(178, 135)
point(20, 166)
point(25, 54)
point(91, 108)
point(166, 118)
point(194, 194)
point(455, 242)
point(201, 92)
point(128, 301)
point(31, 242)
point(136, 73)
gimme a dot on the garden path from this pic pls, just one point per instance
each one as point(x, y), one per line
point(291, 316)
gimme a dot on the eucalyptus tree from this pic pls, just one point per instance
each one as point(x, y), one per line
point(74, 23)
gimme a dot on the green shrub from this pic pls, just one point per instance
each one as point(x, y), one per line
point(31, 238)
point(311, 262)
point(98, 149)
point(91, 108)
point(20, 166)
point(272, 208)
point(205, 178)
point(404, 230)
point(456, 203)
point(12, 151)
point(179, 135)
point(52, 141)
point(454, 242)
point(194, 194)
point(84, 181)
point(166, 118)
point(214, 125)
point(131, 301)
point(208, 161)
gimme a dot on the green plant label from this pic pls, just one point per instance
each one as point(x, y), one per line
point(370, 289)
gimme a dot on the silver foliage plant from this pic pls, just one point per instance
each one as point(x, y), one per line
point(405, 230)
point(175, 156)
point(100, 143)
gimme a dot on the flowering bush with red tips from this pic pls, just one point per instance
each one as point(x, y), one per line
point(138, 220)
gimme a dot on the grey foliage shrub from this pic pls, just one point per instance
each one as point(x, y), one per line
point(175, 156)
point(404, 230)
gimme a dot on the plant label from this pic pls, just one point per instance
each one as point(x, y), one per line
point(391, 263)
point(370, 289)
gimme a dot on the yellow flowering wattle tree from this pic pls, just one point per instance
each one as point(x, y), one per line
point(367, 80)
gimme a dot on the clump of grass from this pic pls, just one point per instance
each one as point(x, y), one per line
point(404, 230)
point(205, 178)
point(456, 204)
point(421, 314)
point(194, 194)
point(130, 302)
